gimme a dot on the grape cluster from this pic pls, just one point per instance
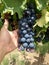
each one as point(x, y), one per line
point(26, 34)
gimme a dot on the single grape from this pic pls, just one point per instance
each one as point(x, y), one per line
point(29, 21)
point(25, 45)
point(22, 28)
point(27, 36)
point(24, 31)
point(26, 26)
point(21, 48)
point(31, 45)
point(23, 24)
point(28, 40)
point(32, 39)
point(32, 33)
point(27, 12)
point(29, 29)
point(24, 19)
point(33, 17)
point(33, 20)
point(23, 39)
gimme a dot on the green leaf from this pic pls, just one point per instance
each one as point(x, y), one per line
point(41, 4)
point(16, 4)
point(47, 25)
point(41, 21)
point(1, 7)
point(23, 4)
point(47, 17)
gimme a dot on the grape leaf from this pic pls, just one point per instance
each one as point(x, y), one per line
point(41, 4)
point(1, 7)
point(47, 17)
point(16, 4)
point(43, 21)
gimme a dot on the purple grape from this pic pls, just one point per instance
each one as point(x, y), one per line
point(23, 39)
point(29, 21)
point(32, 18)
point(23, 24)
point(28, 29)
point(27, 12)
point(32, 33)
point(26, 35)
point(22, 28)
point(25, 45)
point(24, 31)
point(21, 48)
point(31, 45)
point(24, 19)
point(32, 39)
point(28, 40)
point(25, 28)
